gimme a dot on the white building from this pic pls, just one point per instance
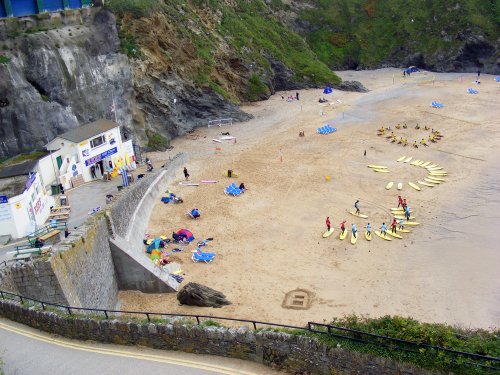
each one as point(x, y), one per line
point(24, 202)
point(95, 147)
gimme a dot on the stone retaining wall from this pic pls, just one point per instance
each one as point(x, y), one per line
point(291, 353)
point(80, 271)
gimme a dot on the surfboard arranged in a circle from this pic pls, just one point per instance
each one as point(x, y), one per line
point(436, 178)
point(401, 217)
point(358, 215)
point(403, 230)
point(382, 236)
point(343, 234)
point(423, 183)
point(389, 185)
point(395, 235)
point(413, 185)
point(400, 186)
point(368, 236)
point(401, 158)
point(328, 233)
point(377, 167)
point(425, 164)
point(432, 181)
point(407, 160)
point(380, 170)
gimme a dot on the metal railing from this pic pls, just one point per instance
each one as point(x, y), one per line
point(220, 122)
point(343, 333)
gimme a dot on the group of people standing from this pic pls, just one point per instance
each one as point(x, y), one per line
point(395, 225)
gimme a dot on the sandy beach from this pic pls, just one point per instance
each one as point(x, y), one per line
point(269, 240)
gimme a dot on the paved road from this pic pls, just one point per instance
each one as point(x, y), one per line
point(27, 351)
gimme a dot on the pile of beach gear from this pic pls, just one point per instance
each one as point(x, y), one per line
point(437, 105)
point(233, 190)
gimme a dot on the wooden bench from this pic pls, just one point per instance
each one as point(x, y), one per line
point(50, 235)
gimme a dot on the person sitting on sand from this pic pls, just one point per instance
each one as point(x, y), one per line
point(195, 213)
point(417, 126)
point(422, 142)
point(415, 144)
point(398, 126)
point(405, 143)
point(394, 139)
point(405, 126)
point(242, 187)
point(426, 127)
point(400, 141)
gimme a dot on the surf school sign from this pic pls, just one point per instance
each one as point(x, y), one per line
point(101, 156)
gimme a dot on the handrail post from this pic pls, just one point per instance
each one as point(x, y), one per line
point(105, 314)
point(1, 292)
point(198, 319)
point(69, 310)
point(21, 298)
point(147, 315)
point(254, 325)
point(43, 306)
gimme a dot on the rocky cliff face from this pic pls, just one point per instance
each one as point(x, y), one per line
point(62, 76)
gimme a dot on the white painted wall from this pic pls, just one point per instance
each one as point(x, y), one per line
point(27, 211)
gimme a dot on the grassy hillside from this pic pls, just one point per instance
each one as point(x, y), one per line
point(224, 46)
point(368, 32)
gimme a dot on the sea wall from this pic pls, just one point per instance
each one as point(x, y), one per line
point(291, 353)
point(80, 272)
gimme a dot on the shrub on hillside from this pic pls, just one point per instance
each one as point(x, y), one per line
point(138, 8)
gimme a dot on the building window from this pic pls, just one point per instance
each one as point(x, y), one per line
point(96, 142)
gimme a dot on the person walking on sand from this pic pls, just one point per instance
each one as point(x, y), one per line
point(356, 206)
point(297, 95)
point(328, 223)
point(369, 229)
point(393, 226)
point(400, 201)
point(186, 174)
point(354, 230)
point(383, 230)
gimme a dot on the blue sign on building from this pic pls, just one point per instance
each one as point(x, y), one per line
point(99, 157)
point(4, 199)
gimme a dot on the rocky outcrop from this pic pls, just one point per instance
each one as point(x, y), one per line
point(194, 294)
point(355, 86)
point(67, 70)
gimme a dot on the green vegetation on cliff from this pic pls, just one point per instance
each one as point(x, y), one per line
point(228, 47)
point(348, 33)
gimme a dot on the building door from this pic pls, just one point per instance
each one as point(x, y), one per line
point(59, 162)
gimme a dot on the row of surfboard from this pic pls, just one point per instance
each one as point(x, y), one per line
point(397, 213)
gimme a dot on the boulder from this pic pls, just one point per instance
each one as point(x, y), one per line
point(352, 86)
point(194, 294)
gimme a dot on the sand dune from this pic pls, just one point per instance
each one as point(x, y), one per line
point(269, 241)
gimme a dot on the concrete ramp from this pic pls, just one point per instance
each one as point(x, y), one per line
point(136, 272)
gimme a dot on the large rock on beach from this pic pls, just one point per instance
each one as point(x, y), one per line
point(194, 294)
point(352, 86)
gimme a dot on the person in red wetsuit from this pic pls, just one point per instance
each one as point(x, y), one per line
point(393, 225)
point(342, 226)
point(400, 201)
point(328, 223)
point(404, 204)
